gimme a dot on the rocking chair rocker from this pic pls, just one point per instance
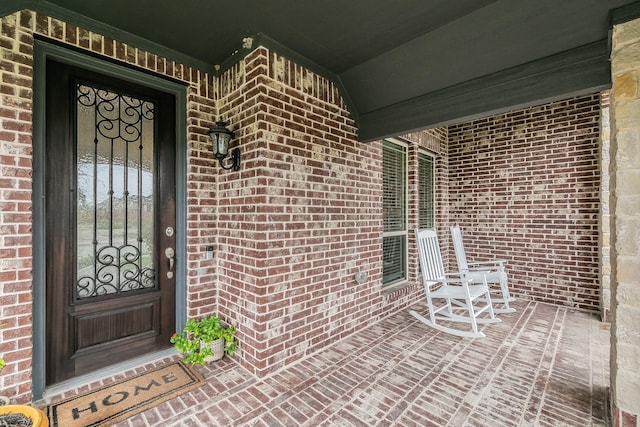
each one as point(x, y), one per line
point(459, 295)
point(492, 271)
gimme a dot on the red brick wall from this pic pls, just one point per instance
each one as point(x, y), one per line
point(300, 219)
point(524, 186)
point(15, 209)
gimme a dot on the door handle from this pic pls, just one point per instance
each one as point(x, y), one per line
point(170, 254)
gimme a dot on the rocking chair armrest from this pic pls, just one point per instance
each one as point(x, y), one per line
point(455, 278)
point(496, 262)
point(487, 269)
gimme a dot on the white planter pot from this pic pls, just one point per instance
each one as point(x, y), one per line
point(217, 346)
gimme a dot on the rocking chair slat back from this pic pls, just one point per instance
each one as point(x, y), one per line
point(461, 257)
point(430, 258)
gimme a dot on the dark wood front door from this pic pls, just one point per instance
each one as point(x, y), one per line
point(110, 219)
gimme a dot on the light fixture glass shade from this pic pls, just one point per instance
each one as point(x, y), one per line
point(223, 143)
point(220, 138)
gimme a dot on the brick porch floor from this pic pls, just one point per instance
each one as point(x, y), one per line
point(542, 366)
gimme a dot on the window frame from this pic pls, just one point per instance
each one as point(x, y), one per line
point(404, 147)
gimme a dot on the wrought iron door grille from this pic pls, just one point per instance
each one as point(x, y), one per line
point(115, 193)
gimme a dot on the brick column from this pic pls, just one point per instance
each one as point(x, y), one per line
point(299, 219)
point(625, 219)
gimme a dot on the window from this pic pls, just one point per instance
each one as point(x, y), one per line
point(394, 176)
point(426, 191)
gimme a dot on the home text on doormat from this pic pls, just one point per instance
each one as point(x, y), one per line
point(116, 402)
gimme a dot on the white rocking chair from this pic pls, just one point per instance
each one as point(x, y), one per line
point(459, 295)
point(492, 271)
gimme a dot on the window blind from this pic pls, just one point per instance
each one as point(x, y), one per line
point(394, 207)
point(393, 174)
point(426, 191)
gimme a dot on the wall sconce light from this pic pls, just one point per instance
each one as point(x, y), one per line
point(220, 137)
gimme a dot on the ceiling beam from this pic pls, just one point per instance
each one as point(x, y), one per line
point(625, 13)
point(578, 71)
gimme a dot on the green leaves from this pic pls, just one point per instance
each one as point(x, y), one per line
point(195, 339)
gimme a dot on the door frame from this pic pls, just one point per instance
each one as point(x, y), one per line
point(44, 50)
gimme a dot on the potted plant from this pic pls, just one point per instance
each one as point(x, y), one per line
point(19, 415)
point(205, 340)
point(4, 400)
point(22, 415)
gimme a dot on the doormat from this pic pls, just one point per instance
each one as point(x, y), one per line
point(116, 402)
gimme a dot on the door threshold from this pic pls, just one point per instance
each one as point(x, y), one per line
point(109, 371)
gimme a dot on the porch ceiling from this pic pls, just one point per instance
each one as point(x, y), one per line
point(402, 65)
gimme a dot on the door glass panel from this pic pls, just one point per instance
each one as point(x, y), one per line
point(115, 193)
